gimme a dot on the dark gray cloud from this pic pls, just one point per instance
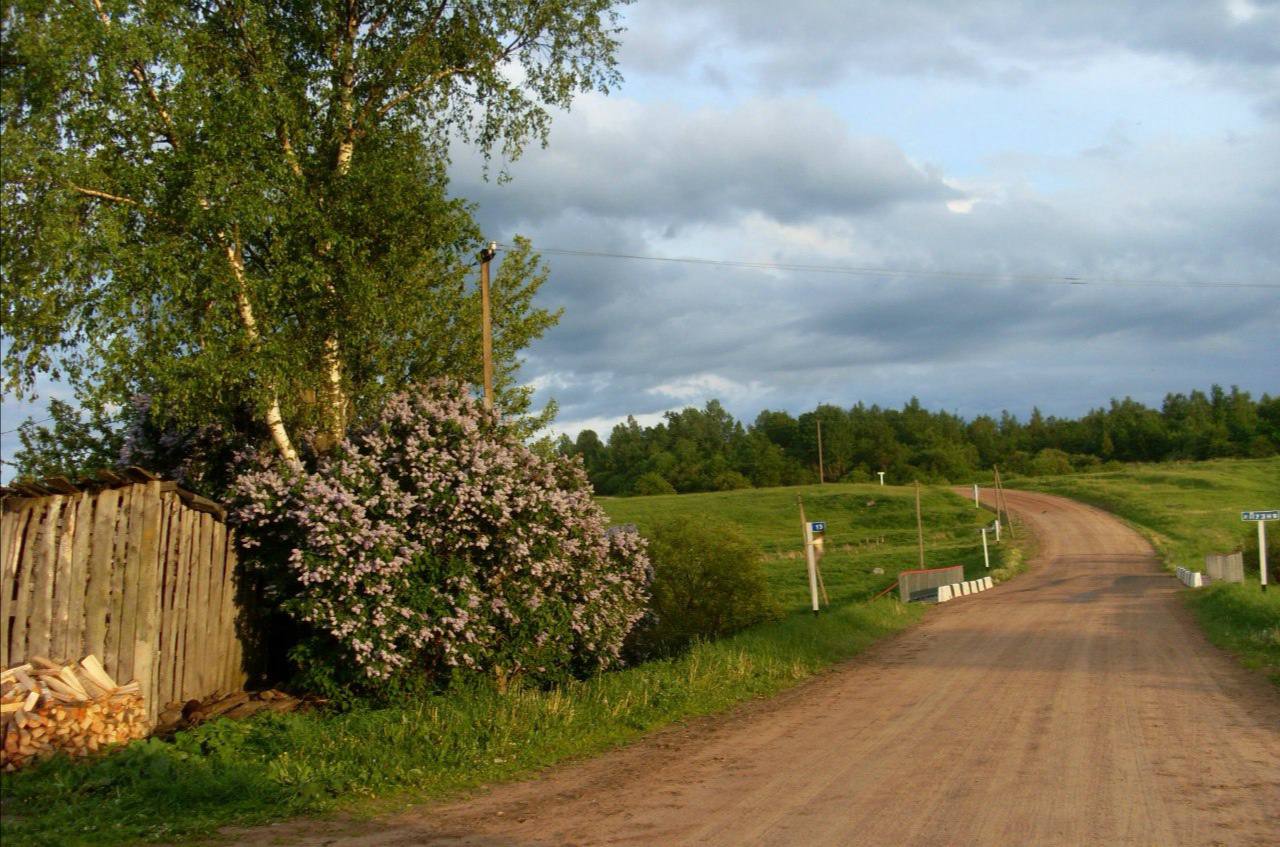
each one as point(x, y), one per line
point(815, 42)
point(791, 160)
point(640, 337)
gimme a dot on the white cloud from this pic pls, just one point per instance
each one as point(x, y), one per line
point(707, 386)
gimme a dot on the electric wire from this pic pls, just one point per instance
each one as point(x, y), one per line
point(854, 270)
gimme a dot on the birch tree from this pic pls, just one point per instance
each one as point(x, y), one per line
point(244, 205)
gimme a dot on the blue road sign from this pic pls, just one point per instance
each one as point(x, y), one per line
point(818, 526)
point(1273, 515)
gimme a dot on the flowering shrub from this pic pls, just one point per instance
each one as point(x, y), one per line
point(434, 539)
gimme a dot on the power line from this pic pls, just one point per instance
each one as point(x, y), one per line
point(854, 270)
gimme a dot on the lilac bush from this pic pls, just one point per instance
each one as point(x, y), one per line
point(435, 539)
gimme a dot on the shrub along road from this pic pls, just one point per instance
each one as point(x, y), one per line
point(1078, 704)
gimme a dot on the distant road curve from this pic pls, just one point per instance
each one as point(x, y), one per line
point(1076, 705)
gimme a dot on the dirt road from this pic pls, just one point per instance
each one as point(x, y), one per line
point(1077, 705)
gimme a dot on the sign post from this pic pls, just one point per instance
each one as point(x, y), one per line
point(1261, 518)
point(809, 555)
point(986, 557)
point(997, 530)
point(976, 505)
point(881, 473)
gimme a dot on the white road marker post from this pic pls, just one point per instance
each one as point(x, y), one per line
point(881, 477)
point(1262, 552)
point(809, 556)
point(976, 504)
point(986, 556)
point(1262, 517)
point(997, 529)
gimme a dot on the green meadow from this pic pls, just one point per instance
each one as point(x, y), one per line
point(869, 527)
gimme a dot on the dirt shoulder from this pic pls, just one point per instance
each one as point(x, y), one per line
point(1078, 704)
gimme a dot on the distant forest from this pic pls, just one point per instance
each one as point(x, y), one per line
point(707, 450)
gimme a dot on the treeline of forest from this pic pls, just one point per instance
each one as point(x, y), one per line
point(708, 450)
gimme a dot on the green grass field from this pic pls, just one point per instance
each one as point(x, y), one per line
point(278, 766)
point(868, 527)
point(1187, 510)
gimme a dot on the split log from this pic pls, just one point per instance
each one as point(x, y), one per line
point(49, 708)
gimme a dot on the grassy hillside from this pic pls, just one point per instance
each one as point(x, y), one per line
point(1190, 509)
point(868, 527)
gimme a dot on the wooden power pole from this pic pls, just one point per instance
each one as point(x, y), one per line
point(486, 323)
point(1001, 502)
point(919, 526)
point(821, 475)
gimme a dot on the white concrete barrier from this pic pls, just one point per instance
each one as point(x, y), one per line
point(988, 582)
point(944, 593)
point(1192, 579)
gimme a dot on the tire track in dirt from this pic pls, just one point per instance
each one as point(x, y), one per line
point(1076, 705)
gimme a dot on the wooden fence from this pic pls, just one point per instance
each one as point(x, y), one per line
point(137, 572)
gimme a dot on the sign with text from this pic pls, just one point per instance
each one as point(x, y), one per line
point(816, 529)
point(1272, 515)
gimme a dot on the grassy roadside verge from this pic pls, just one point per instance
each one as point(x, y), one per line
point(1187, 510)
point(280, 766)
point(285, 765)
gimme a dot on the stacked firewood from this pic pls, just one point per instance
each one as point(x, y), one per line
point(74, 709)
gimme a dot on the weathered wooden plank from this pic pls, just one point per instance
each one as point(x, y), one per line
point(79, 581)
point(146, 611)
point(217, 593)
point(43, 565)
point(197, 658)
point(98, 592)
point(60, 611)
point(115, 600)
point(13, 534)
point(23, 583)
point(231, 608)
point(17, 522)
point(169, 640)
point(132, 583)
point(163, 588)
point(170, 623)
point(182, 609)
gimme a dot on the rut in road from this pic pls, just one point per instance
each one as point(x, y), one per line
point(1078, 704)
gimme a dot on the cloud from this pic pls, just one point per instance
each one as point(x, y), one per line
point(815, 42)
point(639, 335)
point(791, 160)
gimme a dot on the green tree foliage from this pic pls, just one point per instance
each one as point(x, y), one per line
point(243, 207)
point(649, 484)
point(707, 450)
point(70, 445)
point(708, 581)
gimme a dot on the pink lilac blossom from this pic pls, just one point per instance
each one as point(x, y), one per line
point(435, 539)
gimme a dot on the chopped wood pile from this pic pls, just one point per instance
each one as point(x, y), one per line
point(50, 708)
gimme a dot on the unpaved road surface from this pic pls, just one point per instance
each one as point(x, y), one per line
point(1076, 705)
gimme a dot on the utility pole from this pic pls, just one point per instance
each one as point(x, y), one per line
point(821, 476)
point(1001, 501)
point(919, 526)
point(486, 324)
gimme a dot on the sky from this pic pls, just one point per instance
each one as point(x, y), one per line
point(970, 150)
point(967, 151)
